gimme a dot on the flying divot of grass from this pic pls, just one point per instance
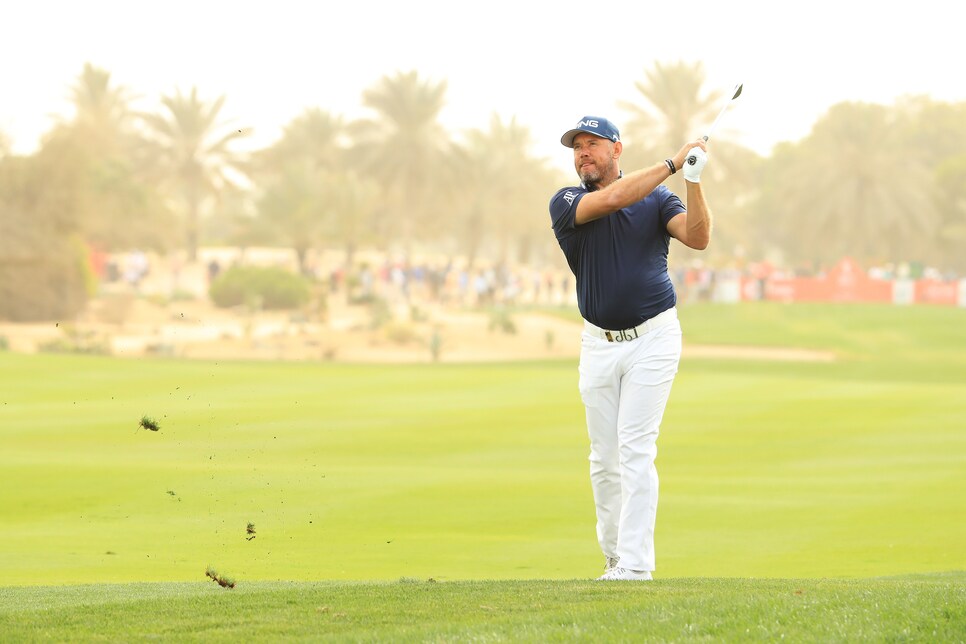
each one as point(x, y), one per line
point(224, 582)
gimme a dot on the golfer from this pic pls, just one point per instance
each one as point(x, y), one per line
point(615, 230)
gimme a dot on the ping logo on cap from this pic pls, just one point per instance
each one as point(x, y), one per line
point(596, 125)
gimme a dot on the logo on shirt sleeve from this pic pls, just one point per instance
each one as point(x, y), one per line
point(569, 197)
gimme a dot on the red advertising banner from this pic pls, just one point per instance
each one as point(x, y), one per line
point(846, 282)
point(936, 292)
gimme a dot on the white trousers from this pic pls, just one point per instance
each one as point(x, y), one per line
point(625, 387)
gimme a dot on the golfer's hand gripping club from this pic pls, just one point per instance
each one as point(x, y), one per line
point(692, 159)
point(695, 164)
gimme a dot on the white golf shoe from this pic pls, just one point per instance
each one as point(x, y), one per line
point(623, 574)
point(610, 563)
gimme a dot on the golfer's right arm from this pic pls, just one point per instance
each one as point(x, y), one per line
point(628, 190)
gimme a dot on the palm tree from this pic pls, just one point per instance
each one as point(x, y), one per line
point(675, 109)
point(504, 191)
point(194, 154)
point(103, 118)
point(937, 130)
point(295, 206)
point(951, 208)
point(43, 259)
point(311, 191)
point(851, 188)
point(407, 151)
point(95, 156)
point(315, 137)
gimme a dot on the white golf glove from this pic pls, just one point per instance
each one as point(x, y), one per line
point(694, 164)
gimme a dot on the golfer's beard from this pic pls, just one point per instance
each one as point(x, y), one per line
point(591, 176)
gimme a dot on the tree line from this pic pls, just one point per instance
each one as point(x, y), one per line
point(881, 183)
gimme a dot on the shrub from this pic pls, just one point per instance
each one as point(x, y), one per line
point(400, 333)
point(501, 319)
point(263, 287)
point(76, 341)
point(380, 313)
point(48, 284)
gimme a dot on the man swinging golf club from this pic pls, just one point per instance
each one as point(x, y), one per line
point(615, 231)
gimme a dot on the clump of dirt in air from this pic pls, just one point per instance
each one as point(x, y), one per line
point(224, 582)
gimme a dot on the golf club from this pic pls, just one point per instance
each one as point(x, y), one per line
point(737, 93)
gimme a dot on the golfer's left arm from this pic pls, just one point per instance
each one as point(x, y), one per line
point(693, 228)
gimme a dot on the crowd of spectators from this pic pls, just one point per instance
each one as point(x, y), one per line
point(455, 283)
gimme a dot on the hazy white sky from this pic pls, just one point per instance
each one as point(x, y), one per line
point(547, 63)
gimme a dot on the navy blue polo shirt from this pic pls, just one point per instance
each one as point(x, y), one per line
point(619, 260)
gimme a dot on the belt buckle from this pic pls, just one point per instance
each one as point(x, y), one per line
point(623, 335)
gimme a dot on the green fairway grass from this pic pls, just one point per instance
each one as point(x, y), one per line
point(921, 609)
point(769, 469)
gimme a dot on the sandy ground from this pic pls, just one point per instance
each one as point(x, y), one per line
point(194, 329)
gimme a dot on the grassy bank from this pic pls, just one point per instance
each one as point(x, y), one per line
point(923, 609)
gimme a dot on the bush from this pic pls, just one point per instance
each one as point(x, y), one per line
point(400, 333)
point(501, 319)
point(380, 313)
point(50, 285)
point(261, 287)
point(75, 341)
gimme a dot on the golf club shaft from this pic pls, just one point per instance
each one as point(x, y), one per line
point(737, 93)
point(716, 121)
